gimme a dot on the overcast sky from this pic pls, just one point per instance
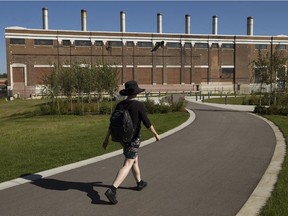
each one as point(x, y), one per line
point(270, 17)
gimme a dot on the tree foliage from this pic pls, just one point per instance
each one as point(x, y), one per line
point(270, 69)
point(81, 82)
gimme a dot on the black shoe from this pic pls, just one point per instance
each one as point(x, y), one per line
point(140, 185)
point(111, 196)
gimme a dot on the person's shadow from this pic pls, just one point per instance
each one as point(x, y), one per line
point(54, 184)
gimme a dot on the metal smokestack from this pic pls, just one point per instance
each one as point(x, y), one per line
point(250, 25)
point(159, 23)
point(45, 18)
point(122, 21)
point(187, 24)
point(215, 25)
point(83, 20)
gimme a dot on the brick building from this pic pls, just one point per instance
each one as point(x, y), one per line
point(186, 62)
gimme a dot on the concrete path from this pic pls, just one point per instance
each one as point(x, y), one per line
point(210, 167)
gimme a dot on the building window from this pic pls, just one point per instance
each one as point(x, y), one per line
point(260, 74)
point(145, 44)
point(43, 42)
point(82, 43)
point(228, 46)
point(115, 43)
point(66, 42)
point(129, 43)
point(173, 45)
point(215, 45)
point(201, 45)
point(188, 45)
point(17, 41)
point(260, 46)
point(227, 73)
point(98, 43)
point(281, 46)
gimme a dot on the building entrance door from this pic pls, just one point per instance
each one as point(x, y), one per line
point(19, 81)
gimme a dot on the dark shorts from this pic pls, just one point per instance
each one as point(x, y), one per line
point(130, 149)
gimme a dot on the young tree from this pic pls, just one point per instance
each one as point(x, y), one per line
point(110, 81)
point(268, 68)
point(76, 79)
point(67, 83)
point(52, 87)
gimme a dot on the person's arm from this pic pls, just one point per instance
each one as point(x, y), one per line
point(152, 129)
point(106, 140)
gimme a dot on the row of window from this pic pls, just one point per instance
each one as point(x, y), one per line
point(45, 42)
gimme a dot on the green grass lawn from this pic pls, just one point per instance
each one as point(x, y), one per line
point(228, 100)
point(31, 142)
point(277, 204)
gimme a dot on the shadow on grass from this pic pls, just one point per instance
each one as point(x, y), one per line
point(60, 185)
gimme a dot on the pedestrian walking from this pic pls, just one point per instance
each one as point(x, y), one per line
point(138, 115)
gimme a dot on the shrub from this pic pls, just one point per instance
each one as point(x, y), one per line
point(262, 110)
point(272, 110)
point(178, 106)
point(105, 109)
point(77, 109)
point(150, 106)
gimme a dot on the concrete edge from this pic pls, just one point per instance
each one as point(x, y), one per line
point(263, 190)
point(240, 108)
point(54, 171)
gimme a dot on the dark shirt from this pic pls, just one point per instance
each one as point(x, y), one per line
point(137, 113)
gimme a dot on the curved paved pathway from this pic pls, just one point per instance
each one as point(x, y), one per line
point(210, 167)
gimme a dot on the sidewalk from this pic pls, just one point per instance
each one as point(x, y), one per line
point(265, 187)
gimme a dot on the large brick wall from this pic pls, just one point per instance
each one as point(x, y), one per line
point(183, 65)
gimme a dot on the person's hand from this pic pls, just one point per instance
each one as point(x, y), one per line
point(106, 140)
point(105, 144)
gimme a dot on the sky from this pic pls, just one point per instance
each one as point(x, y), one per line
point(270, 17)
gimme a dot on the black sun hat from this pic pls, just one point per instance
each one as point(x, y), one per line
point(131, 88)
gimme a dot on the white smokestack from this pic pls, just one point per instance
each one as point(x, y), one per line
point(45, 18)
point(159, 23)
point(83, 20)
point(187, 24)
point(215, 25)
point(122, 21)
point(250, 25)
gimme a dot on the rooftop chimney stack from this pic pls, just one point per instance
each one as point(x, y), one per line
point(83, 20)
point(187, 24)
point(250, 25)
point(45, 18)
point(215, 25)
point(159, 23)
point(122, 21)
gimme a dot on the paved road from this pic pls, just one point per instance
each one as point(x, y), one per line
point(209, 168)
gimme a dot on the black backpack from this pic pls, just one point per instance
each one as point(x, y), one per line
point(121, 125)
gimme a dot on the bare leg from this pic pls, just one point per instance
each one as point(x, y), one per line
point(136, 170)
point(123, 172)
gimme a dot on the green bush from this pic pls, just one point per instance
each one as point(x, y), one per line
point(178, 106)
point(262, 110)
point(150, 106)
point(78, 109)
point(104, 109)
point(272, 110)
